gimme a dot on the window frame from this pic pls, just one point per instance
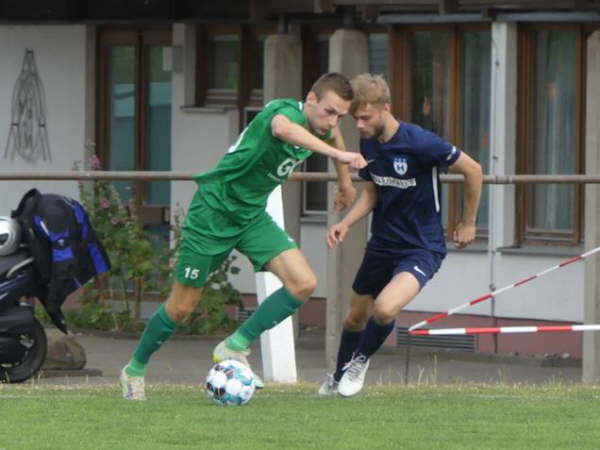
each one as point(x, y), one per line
point(524, 157)
point(245, 96)
point(309, 35)
point(387, 31)
point(139, 38)
point(205, 94)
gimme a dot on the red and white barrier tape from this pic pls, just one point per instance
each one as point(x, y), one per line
point(495, 293)
point(506, 330)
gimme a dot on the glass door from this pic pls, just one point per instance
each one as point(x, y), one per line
point(135, 117)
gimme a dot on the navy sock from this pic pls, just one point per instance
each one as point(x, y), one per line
point(348, 344)
point(373, 337)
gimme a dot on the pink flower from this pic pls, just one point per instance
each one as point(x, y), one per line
point(95, 163)
point(114, 221)
point(104, 203)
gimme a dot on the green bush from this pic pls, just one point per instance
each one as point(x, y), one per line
point(138, 268)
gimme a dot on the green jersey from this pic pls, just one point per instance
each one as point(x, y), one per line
point(254, 166)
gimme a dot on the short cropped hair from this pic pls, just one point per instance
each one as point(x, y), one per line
point(369, 89)
point(335, 82)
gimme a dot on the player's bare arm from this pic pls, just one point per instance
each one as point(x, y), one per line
point(288, 131)
point(346, 192)
point(363, 206)
point(464, 233)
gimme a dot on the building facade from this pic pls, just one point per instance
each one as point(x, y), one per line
point(168, 85)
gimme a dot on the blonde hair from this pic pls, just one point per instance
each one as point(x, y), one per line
point(369, 89)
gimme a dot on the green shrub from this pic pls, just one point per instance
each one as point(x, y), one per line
point(139, 268)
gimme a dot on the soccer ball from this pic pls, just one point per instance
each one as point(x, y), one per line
point(230, 383)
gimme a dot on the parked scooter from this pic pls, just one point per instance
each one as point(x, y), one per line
point(23, 340)
point(48, 249)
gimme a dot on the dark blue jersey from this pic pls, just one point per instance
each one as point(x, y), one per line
point(405, 171)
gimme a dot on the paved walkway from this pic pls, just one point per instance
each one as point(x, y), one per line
point(187, 361)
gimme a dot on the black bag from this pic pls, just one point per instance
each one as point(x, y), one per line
point(64, 245)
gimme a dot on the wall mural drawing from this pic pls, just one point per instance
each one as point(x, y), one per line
point(28, 134)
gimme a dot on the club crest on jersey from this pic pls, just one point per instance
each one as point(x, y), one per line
point(400, 165)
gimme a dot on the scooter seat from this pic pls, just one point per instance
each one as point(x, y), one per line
point(10, 261)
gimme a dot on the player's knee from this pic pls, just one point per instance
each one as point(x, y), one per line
point(182, 301)
point(179, 312)
point(180, 309)
point(384, 313)
point(303, 287)
point(355, 322)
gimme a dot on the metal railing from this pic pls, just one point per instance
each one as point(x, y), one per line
point(298, 176)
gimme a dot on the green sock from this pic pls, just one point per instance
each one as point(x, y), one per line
point(273, 310)
point(160, 327)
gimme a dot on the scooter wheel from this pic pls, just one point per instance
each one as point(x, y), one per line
point(36, 343)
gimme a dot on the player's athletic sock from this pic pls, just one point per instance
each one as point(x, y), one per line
point(373, 337)
point(159, 329)
point(274, 309)
point(348, 343)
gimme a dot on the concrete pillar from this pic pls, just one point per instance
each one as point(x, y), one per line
point(503, 130)
point(348, 54)
point(591, 310)
point(283, 79)
point(183, 78)
point(503, 109)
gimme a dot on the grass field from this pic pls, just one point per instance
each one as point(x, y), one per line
point(388, 417)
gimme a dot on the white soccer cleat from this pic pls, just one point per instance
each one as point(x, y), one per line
point(222, 353)
point(134, 388)
point(353, 379)
point(329, 386)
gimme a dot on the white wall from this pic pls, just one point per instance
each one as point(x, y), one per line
point(466, 276)
point(61, 59)
point(199, 141)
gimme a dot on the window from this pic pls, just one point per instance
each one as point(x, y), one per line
point(134, 116)
point(315, 54)
point(476, 95)
point(440, 80)
point(431, 81)
point(258, 74)
point(431, 78)
point(230, 66)
point(134, 120)
point(315, 63)
point(378, 53)
point(255, 101)
point(223, 75)
point(550, 132)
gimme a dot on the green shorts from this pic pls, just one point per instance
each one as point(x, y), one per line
point(202, 252)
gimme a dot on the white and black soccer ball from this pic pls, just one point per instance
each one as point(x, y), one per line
point(230, 383)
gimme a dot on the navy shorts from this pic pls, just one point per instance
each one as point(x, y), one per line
point(377, 269)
